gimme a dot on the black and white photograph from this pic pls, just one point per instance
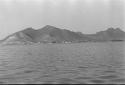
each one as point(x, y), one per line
point(62, 42)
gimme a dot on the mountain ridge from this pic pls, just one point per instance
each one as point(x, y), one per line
point(51, 34)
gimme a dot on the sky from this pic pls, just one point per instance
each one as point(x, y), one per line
point(87, 16)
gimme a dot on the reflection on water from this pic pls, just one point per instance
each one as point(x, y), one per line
point(96, 63)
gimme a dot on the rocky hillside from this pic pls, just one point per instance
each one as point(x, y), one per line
point(51, 34)
point(110, 34)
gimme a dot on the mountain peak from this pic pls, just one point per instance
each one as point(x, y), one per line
point(118, 29)
point(48, 28)
point(29, 29)
point(114, 30)
point(110, 29)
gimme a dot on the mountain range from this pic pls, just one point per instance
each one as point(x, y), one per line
point(51, 34)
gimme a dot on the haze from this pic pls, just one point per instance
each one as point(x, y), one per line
point(87, 16)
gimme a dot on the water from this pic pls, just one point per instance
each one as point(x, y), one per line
point(84, 63)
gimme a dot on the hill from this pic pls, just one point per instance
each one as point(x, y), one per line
point(110, 34)
point(51, 34)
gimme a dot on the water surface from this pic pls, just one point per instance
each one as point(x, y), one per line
point(82, 63)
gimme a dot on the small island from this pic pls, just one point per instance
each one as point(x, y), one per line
point(51, 34)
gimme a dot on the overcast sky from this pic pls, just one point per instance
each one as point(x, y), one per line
point(87, 16)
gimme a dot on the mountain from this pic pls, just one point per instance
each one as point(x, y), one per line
point(47, 34)
point(51, 34)
point(110, 34)
point(18, 37)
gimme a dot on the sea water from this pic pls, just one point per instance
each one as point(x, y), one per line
point(79, 63)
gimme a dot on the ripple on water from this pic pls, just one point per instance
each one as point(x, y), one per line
point(97, 81)
point(108, 77)
point(48, 82)
point(83, 78)
point(70, 81)
point(119, 80)
point(110, 71)
point(29, 71)
point(83, 68)
point(2, 82)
